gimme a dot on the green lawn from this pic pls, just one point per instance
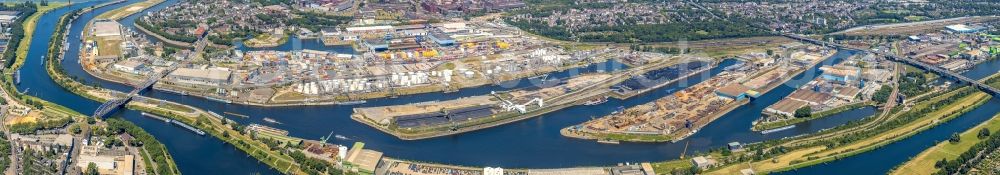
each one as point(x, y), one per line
point(29, 29)
point(668, 166)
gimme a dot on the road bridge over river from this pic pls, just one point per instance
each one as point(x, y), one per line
point(949, 74)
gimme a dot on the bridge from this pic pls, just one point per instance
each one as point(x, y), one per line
point(113, 105)
point(945, 73)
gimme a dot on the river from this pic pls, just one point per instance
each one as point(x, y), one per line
point(191, 152)
point(883, 159)
point(531, 143)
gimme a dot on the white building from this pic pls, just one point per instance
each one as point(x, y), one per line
point(211, 76)
point(492, 171)
point(130, 66)
point(703, 162)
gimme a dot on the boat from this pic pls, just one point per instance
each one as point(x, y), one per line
point(235, 114)
point(619, 110)
point(218, 99)
point(166, 120)
point(596, 101)
point(17, 77)
point(733, 67)
point(777, 129)
point(355, 102)
point(43, 60)
point(608, 141)
point(271, 120)
point(341, 137)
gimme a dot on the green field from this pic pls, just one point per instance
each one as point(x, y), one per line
point(108, 46)
point(946, 150)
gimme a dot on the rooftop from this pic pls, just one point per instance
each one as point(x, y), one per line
point(733, 89)
point(213, 74)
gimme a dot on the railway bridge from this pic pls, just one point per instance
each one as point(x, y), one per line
point(113, 105)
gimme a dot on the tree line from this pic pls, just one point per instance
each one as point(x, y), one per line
point(157, 152)
point(26, 8)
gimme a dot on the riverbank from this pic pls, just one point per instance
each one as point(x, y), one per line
point(923, 116)
point(278, 99)
point(164, 39)
point(179, 112)
point(631, 94)
point(629, 124)
point(772, 126)
point(946, 150)
point(554, 104)
point(574, 98)
point(151, 145)
point(266, 40)
point(28, 26)
point(817, 115)
point(129, 10)
point(628, 137)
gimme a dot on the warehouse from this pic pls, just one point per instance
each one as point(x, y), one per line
point(211, 77)
point(442, 39)
point(733, 91)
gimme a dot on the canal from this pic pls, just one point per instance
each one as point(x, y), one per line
point(532, 143)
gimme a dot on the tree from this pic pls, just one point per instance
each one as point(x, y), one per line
point(882, 95)
point(75, 129)
point(91, 169)
point(983, 133)
point(955, 138)
point(803, 112)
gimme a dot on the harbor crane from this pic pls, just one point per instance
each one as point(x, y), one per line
point(324, 139)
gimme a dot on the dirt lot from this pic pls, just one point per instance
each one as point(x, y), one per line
point(913, 27)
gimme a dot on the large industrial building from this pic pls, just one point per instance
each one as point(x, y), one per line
point(210, 77)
